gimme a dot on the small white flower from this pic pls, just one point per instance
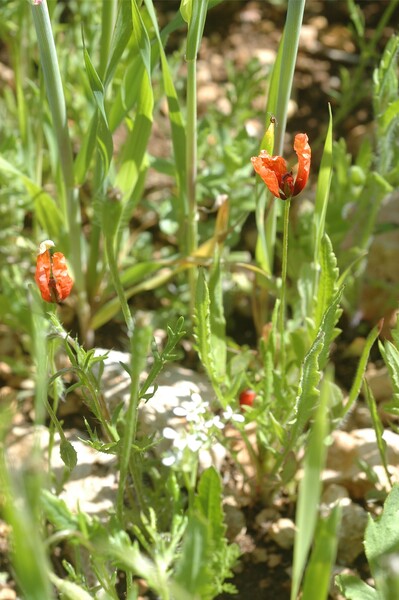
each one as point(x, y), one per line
point(169, 433)
point(228, 414)
point(169, 460)
point(192, 410)
point(193, 443)
point(214, 422)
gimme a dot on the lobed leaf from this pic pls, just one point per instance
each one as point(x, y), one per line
point(328, 278)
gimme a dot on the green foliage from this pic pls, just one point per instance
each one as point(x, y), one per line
point(206, 556)
point(381, 546)
point(361, 369)
point(207, 329)
point(386, 110)
point(308, 502)
point(317, 574)
point(390, 354)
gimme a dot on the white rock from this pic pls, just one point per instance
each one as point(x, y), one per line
point(283, 533)
point(91, 485)
point(349, 450)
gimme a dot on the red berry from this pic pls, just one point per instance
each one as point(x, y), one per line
point(247, 397)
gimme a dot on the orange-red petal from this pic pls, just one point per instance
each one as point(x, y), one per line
point(52, 277)
point(60, 273)
point(304, 153)
point(271, 169)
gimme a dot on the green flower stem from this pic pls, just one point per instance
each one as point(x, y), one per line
point(194, 13)
point(288, 59)
point(191, 168)
point(284, 287)
point(56, 100)
point(138, 337)
point(114, 271)
point(289, 54)
point(129, 458)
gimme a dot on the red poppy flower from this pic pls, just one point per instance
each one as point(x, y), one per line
point(247, 397)
point(52, 274)
point(273, 169)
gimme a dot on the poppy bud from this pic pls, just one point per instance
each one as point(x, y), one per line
point(51, 275)
point(247, 397)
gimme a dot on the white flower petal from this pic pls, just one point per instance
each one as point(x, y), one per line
point(169, 433)
point(179, 411)
point(194, 444)
point(238, 418)
point(168, 461)
point(196, 398)
point(228, 413)
point(180, 443)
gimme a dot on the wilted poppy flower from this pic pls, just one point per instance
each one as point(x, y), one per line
point(52, 274)
point(273, 169)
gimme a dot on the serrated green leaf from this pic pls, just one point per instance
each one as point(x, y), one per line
point(208, 504)
point(68, 589)
point(391, 112)
point(192, 570)
point(382, 534)
point(323, 188)
point(383, 73)
point(202, 324)
point(57, 512)
point(354, 588)
point(308, 393)
point(328, 323)
point(390, 354)
point(206, 557)
point(328, 278)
